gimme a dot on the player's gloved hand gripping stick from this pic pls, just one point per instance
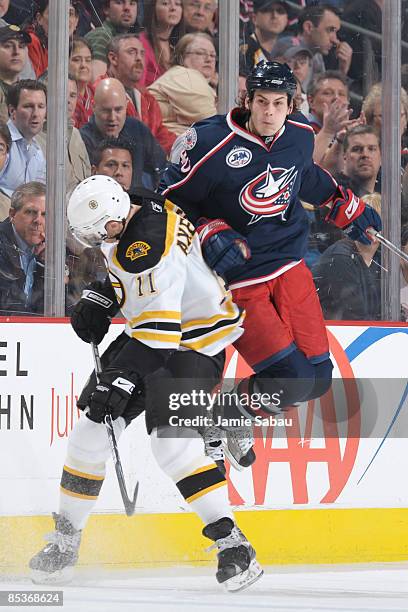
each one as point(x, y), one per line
point(129, 503)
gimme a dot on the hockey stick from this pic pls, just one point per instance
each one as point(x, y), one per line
point(129, 504)
point(394, 249)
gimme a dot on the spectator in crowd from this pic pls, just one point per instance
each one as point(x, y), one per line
point(27, 102)
point(78, 165)
point(114, 158)
point(38, 30)
point(27, 72)
point(80, 66)
point(183, 92)
point(329, 116)
point(298, 58)
point(372, 108)
point(348, 278)
point(163, 30)
point(366, 14)
point(120, 17)
point(270, 19)
point(362, 163)
point(22, 245)
point(199, 15)
point(13, 55)
point(17, 11)
point(362, 160)
point(126, 56)
point(109, 121)
point(318, 27)
point(404, 274)
point(5, 144)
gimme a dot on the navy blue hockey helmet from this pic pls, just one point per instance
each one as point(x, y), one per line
point(271, 75)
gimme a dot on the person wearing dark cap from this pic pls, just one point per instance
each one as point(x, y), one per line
point(299, 59)
point(270, 19)
point(5, 9)
point(13, 54)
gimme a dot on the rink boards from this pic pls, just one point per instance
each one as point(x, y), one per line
point(331, 487)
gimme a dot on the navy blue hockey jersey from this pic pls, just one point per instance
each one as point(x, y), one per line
point(255, 186)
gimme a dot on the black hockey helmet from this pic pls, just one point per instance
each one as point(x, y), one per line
point(271, 75)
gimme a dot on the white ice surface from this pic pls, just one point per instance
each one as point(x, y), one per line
point(357, 588)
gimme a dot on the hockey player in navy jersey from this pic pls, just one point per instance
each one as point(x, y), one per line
point(240, 180)
point(156, 270)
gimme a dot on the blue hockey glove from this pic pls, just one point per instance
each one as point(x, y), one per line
point(223, 248)
point(112, 395)
point(358, 229)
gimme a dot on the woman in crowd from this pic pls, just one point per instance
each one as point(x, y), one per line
point(372, 108)
point(80, 66)
point(162, 22)
point(183, 92)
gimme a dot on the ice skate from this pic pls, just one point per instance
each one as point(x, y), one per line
point(238, 446)
point(54, 564)
point(237, 564)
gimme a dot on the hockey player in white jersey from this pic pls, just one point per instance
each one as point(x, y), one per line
point(179, 320)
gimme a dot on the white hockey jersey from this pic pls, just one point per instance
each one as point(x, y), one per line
point(167, 293)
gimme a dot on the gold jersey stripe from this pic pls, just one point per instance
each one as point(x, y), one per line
point(204, 468)
point(170, 232)
point(230, 314)
point(80, 495)
point(145, 335)
point(195, 345)
point(172, 315)
point(82, 474)
point(217, 485)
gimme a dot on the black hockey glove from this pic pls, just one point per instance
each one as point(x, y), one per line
point(91, 316)
point(112, 394)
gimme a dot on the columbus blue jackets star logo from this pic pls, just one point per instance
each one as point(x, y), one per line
point(269, 193)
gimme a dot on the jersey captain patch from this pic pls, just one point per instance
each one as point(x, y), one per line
point(269, 193)
point(137, 249)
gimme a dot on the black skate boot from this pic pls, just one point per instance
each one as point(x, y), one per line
point(237, 565)
point(55, 563)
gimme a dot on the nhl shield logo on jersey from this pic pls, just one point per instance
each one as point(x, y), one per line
point(137, 249)
point(238, 157)
point(269, 193)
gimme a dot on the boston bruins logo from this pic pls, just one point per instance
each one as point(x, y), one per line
point(137, 249)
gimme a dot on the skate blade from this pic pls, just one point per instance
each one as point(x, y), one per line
point(244, 580)
point(59, 577)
